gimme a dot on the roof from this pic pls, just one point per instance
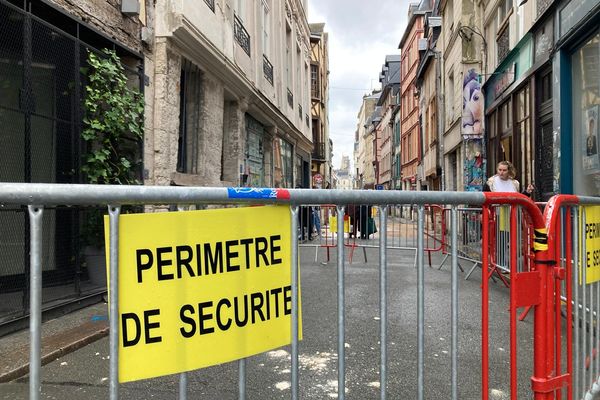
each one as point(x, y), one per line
point(413, 13)
point(318, 27)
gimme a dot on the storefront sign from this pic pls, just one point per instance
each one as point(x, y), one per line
point(505, 79)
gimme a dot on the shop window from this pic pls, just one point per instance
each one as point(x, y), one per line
point(282, 163)
point(586, 115)
point(493, 143)
point(526, 162)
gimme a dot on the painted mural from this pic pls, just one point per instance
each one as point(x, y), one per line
point(472, 131)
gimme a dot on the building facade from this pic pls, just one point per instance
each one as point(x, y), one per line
point(319, 89)
point(411, 150)
point(517, 105)
point(575, 95)
point(390, 83)
point(429, 88)
point(345, 180)
point(229, 94)
point(364, 151)
point(44, 50)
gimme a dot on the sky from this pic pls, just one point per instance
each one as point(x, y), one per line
point(361, 34)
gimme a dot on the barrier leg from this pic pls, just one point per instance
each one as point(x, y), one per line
point(35, 313)
point(113, 383)
point(443, 261)
point(471, 270)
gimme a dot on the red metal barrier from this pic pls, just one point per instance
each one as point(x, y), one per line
point(530, 288)
point(549, 377)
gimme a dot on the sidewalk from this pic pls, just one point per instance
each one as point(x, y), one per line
point(60, 336)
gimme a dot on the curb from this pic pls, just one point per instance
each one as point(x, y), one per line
point(54, 347)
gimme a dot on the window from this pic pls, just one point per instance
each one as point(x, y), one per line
point(526, 164)
point(299, 75)
point(314, 81)
point(586, 119)
point(282, 163)
point(450, 96)
point(266, 28)
point(190, 98)
point(239, 8)
point(288, 56)
point(504, 11)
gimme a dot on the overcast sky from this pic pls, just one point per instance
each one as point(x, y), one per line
point(361, 34)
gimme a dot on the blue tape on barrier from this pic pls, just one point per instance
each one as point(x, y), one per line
point(257, 193)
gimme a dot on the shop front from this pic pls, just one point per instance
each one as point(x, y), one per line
point(510, 112)
point(578, 103)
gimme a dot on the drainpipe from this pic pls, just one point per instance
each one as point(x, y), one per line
point(440, 117)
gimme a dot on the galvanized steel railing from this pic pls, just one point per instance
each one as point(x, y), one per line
point(36, 196)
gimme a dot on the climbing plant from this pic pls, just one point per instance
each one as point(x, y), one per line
point(112, 124)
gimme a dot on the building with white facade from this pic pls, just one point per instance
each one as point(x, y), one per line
point(228, 96)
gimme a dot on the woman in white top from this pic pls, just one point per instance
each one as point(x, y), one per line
point(504, 180)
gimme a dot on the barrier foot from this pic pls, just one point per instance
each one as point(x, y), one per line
point(351, 254)
point(523, 315)
point(443, 261)
point(471, 270)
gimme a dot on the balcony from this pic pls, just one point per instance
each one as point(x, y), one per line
point(290, 98)
point(318, 153)
point(241, 35)
point(268, 69)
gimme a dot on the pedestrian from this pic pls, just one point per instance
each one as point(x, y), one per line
point(504, 180)
point(305, 221)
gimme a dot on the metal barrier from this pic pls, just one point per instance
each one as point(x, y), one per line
point(470, 240)
point(573, 328)
point(526, 288)
point(361, 231)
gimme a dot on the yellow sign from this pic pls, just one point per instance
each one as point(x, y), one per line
point(201, 288)
point(591, 232)
point(333, 223)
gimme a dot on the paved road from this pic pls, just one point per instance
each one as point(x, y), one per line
point(83, 374)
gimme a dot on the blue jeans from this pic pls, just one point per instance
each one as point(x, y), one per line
point(317, 219)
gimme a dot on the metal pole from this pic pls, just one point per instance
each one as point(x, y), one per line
point(420, 304)
point(485, 265)
point(242, 379)
point(454, 349)
point(113, 299)
point(440, 117)
point(575, 283)
point(35, 313)
point(295, 364)
point(581, 366)
point(183, 386)
point(183, 378)
point(341, 310)
point(383, 299)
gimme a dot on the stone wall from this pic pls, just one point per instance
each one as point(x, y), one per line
point(106, 17)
